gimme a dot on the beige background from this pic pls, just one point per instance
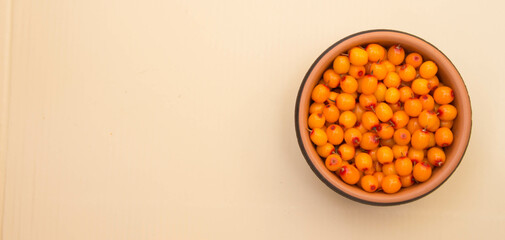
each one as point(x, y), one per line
point(150, 119)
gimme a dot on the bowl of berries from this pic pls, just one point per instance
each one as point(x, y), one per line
point(383, 117)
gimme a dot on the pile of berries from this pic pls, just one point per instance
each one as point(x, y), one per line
point(381, 118)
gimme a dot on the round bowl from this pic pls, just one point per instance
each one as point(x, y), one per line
point(447, 73)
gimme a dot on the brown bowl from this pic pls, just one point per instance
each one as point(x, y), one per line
point(447, 73)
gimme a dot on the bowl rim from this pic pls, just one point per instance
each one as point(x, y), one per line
point(306, 155)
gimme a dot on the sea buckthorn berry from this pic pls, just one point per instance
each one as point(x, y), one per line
point(422, 172)
point(318, 136)
point(421, 86)
point(354, 95)
point(385, 131)
point(368, 84)
point(346, 151)
point(385, 155)
point(400, 119)
point(392, 80)
point(375, 52)
point(359, 110)
point(396, 106)
point(379, 70)
point(316, 120)
point(392, 95)
point(316, 108)
point(427, 101)
point(370, 171)
point(420, 139)
point(370, 120)
point(368, 102)
point(341, 64)
point(331, 113)
point(396, 54)
point(447, 124)
point(348, 84)
point(389, 66)
point(403, 166)
point(333, 162)
point(413, 107)
point(443, 137)
point(380, 93)
point(363, 161)
point(352, 136)
point(360, 127)
point(383, 112)
point(335, 134)
point(415, 155)
point(429, 120)
point(347, 119)
point(407, 181)
point(377, 166)
point(406, 93)
point(369, 183)
point(325, 150)
point(391, 183)
point(345, 101)
point(402, 136)
point(447, 112)
point(443, 95)
point(373, 154)
point(389, 169)
point(331, 78)
point(413, 125)
point(432, 141)
point(436, 156)
point(349, 174)
point(400, 151)
point(320, 93)
point(379, 176)
point(390, 142)
point(428, 69)
point(357, 71)
point(407, 72)
point(414, 59)
point(433, 82)
point(358, 56)
point(369, 141)
point(332, 98)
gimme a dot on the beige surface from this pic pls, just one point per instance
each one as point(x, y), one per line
point(174, 120)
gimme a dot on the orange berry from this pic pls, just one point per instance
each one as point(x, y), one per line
point(388, 169)
point(447, 124)
point(420, 139)
point(402, 136)
point(346, 151)
point(390, 142)
point(428, 69)
point(391, 183)
point(370, 120)
point(432, 141)
point(443, 95)
point(413, 125)
point(345, 102)
point(369, 141)
point(320, 93)
point(443, 137)
point(354, 95)
point(341, 64)
point(347, 119)
point(332, 98)
point(396, 106)
point(415, 155)
point(369, 183)
point(368, 102)
point(403, 166)
point(433, 82)
point(348, 84)
point(316, 108)
point(422, 172)
point(380, 93)
point(385, 131)
point(357, 71)
point(370, 171)
point(363, 161)
point(385, 155)
point(373, 154)
point(379, 70)
point(421, 86)
point(318, 136)
point(447, 112)
point(427, 101)
point(392, 95)
point(392, 80)
point(383, 112)
point(407, 72)
point(396, 54)
point(406, 93)
point(352, 136)
point(379, 175)
point(331, 113)
point(349, 174)
point(389, 66)
point(375, 52)
point(414, 59)
point(331, 78)
point(407, 181)
point(400, 151)
point(333, 162)
point(316, 120)
point(335, 134)
point(413, 107)
point(368, 84)
point(429, 120)
point(325, 150)
point(359, 110)
point(358, 56)
point(400, 119)
point(436, 156)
